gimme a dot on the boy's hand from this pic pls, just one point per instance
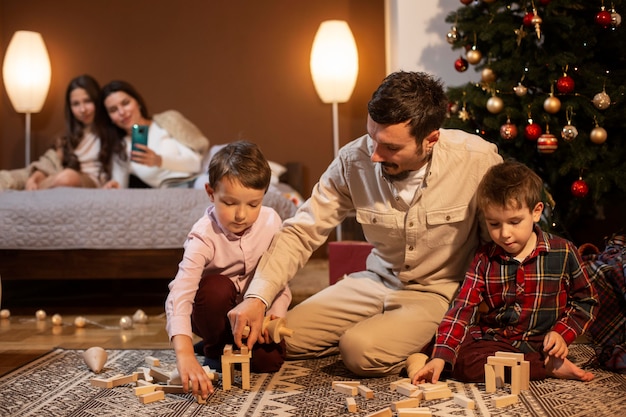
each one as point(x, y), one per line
point(554, 345)
point(430, 372)
point(249, 312)
point(191, 373)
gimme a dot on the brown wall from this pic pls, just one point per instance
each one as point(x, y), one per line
point(238, 69)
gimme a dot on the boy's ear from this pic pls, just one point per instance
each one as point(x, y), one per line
point(209, 191)
point(537, 211)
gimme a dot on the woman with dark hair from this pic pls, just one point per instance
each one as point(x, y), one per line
point(175, 146)
point(81, 157)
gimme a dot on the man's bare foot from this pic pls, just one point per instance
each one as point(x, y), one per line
point(565, 369)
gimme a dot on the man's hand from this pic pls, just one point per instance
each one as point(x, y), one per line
point(249, 312)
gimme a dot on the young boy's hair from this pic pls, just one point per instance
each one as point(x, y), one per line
point(509, 184)
point(243, 161)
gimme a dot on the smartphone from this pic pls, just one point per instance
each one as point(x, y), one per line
point(139, 134)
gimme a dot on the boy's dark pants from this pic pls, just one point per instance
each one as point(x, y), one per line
point(473, 354)
point(216, 296)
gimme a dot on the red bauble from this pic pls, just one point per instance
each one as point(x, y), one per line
point(565, 84)
point(544, 2)
point(579, 188)
point(528, 19)
point(460, 64)
point(532, 131)
point(547, 143)
point(508, 131)
point(603, 18)
point(466, 2)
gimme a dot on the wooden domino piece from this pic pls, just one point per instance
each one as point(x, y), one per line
point(414, 412)
point(406, 403)
point(408, 389)
point(144, 389)
point(464, 401)
point(346, 389)
point(366, 392)
point(525, 367)
point(504, 400)
point(152, 361)
point(427, 386)
point(351, 383)
point(490, 378)
point(437, 394)
point(385, 412)
point(152, 397)
point(229, 359)
point(104, 382)
point(351, 404)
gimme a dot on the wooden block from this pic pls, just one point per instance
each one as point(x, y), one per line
point(525, 377)
point(144, 389)
point(351, 383)
point(159, 374)
point(385, 412)
point(407, 389)
point(490, 378)
point(394, 384)
point(407, 403)
point(245, 375)
point(200, 400)
point(210, 373)
point(243, 350)
point(504, 400)
point(171, 389)
point(143, 383)
point(152, 397)
point(146, 373)
point(152, 361)
point(502, 361)
point(351, 404)
point(228, 350)
point(414, 412)
point(463, 401)
point(104, 382)
point(366, 392)
point(346, 389)
point(516, 379)
point(518, 356)
point(427, 386)
point(174, 378)
point(123, 380)
point(437, 394)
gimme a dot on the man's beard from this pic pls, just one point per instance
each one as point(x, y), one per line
point(400, 176)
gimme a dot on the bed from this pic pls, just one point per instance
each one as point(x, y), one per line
point(73, 233)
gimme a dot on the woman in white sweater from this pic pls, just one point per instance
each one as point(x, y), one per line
point(174, 149)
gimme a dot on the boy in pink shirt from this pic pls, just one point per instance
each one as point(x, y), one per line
point(221, 255)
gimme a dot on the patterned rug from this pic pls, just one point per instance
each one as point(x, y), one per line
point(57, 384)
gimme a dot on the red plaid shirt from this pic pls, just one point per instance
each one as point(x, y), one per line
point(549, 291)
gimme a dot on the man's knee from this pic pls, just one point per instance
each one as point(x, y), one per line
point(361, 354)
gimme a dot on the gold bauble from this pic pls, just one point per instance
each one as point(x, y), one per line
point(520, 90)
point(598, 135)
point(474, 56)
point(602, 101)
point(552, 105)
point(487, 75)
point(495, 105)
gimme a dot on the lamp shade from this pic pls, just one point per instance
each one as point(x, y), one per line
point(334, 61)
point(26, 71)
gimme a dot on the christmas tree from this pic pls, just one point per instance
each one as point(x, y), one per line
point(550, 94)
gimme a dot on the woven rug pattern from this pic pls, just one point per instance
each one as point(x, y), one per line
point(57, 384)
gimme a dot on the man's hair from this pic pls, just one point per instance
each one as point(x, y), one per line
point(243, 161)
point(509, 184)
point(413, 97)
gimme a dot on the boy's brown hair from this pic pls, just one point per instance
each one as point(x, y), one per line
point(242, 161)
point(509, 184)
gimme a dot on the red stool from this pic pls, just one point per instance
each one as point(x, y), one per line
point(345, 257)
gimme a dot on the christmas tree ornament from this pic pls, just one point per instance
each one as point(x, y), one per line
point(598, 135)
point(453, 107)
point(487, 75)
point(460, 64)
point(601, 101)
point(544, 2)
point(508, 131)
point(565, 84)
point(579, 188)
point(603, 18)
point(467, 2)
point(569, 132)
point(520, 89)
point(495, 104)
point(532, 131)
point(616, 18)
point(453, 35)
point(464, 114)
point(536, 21)
point(547, 143)
point(552, 104)
point(527, 20)
point(473, 55)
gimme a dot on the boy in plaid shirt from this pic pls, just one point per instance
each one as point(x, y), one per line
point(537, 298)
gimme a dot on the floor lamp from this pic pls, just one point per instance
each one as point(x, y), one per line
point(26, 73)
point(334, 69)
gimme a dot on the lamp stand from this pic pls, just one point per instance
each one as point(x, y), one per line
point(336, 149)
point(27, 140)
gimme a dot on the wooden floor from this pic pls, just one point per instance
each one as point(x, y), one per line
point(24, 338)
